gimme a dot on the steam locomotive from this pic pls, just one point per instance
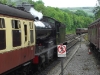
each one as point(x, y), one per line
point(25, 42)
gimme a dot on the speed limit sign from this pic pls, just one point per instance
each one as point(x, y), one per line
point(61, 49)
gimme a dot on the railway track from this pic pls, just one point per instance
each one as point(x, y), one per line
point(72, 40)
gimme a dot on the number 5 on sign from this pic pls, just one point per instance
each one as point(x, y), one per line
point(61, 49)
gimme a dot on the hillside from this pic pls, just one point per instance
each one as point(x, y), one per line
point(88, 10)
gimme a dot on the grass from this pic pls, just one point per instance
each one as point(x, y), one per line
point(86, 37)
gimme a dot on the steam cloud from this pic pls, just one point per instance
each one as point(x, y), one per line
point(36, 13)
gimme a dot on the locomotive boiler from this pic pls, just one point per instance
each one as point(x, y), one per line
point(43, 29)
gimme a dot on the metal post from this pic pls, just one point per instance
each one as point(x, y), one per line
point(62, 67)
point(80, 40)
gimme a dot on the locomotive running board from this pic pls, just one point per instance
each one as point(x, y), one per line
point(45, 50)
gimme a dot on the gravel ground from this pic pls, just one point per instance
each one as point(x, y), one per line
point(83, 63)
point(57, 69)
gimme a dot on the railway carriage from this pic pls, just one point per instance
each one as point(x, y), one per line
point(93, 33)
point(94, 36)
point(81, 31)
point(17, 40)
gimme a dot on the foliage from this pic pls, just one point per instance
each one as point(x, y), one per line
point(3, 1)
point(72, 20)
point(81, 13)
point(87, 10)
point(7, 2)
point(97, 12)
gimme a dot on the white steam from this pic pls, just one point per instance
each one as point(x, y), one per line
point(36, 13)
point(39, 24)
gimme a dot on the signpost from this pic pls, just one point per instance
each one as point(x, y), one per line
point(61, 50)
point(61, 53)
point(80, 39)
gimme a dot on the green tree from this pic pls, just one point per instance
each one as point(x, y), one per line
point(3, 1)
point(97, 12)
point(80, 13)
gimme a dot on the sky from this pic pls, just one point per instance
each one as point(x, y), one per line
point(70, 3)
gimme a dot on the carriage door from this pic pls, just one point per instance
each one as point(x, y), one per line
point(26, 53)
point(26, 35)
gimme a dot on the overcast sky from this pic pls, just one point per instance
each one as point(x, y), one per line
point(70, 3)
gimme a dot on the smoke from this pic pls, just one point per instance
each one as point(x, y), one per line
point(28, 7)
point(36, 13)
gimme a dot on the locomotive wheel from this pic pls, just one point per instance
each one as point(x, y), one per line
point(39, 68)
point(44, 65)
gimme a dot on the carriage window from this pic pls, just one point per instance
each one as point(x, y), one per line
point(25, 30)
point(3, 34)
point(16, 24)
point(31, 36)
point(2, 39)
point(31, 25)
point(31, 32)
point(2, 23)
point(16, 33)
point(19, 24)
